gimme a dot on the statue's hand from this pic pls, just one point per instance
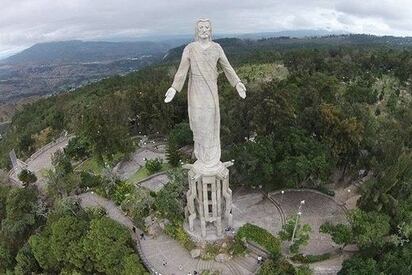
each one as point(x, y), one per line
point(241, 89)
point(170, 94)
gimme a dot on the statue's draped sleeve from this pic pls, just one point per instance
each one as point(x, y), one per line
point(181, 73)
point(227, 68)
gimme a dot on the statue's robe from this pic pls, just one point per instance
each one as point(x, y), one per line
point(203, 99)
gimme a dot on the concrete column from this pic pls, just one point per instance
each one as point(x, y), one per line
point(209, 190)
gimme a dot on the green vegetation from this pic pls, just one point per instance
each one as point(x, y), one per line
point(169, 201)
point(314, 107)
point(282, 266)
point(153, 165)
point(210, 251)
point(307, 259)
point(62, 181)
point(91, 165)
point(20, 215)
point(177, 232)
point(77, 149)
point(301, 233)
point(262, 237)
point(340, 233)
point(27, 176)
point(179, 136)
point(138, 204)
point(58, 236)
point(86, 244)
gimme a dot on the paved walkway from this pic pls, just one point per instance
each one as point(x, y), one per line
point(251, 206)
point(318, 209)
point(126, 168)
point(155, 183)
point(248, 206)
point(42, 161)
point(164, 249)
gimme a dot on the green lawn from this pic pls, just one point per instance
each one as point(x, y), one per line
point(44, 172)
point(144, 173)
point(91, 165)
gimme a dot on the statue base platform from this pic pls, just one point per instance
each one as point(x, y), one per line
point(211, 236)
point(209, 201)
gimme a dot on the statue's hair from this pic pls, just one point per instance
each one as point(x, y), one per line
point(197, 32)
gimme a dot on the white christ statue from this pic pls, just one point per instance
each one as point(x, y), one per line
point(200, 58)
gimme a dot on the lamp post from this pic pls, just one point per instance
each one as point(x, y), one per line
point(302, 202)
point(296, 225)
point(281, 197)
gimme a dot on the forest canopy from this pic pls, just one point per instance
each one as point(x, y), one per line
point(313, 108)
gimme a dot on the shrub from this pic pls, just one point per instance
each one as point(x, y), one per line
point(282, 267)
point(301, 233)
point(307, 259)
point(77, 149)
point(340, 233)
point(153, 165)
point(89, 180)
point(181, 135)
point(260, 236)
point(237, 247)
point(27, 176)
point(177, 232)
point(276, 267)
point(170, 200)
point(323, 189)
point(210, 251)
point(172, 154)
point(138, 205)
point(121, 191)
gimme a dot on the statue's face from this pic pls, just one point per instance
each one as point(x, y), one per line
point(204, 30)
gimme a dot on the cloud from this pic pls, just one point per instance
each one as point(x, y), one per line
point(25, 22)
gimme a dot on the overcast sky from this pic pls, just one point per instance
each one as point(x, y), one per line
point(26, 22)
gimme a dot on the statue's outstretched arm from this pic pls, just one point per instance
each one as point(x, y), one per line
point(231, 74)
point(228, 69)
point(180, 76)
point(181, 73)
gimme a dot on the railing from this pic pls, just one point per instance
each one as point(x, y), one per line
point(47, 147)
point(143, 258)
point(339, 203)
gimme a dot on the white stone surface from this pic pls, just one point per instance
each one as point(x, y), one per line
point(195, 253)
point(201, 58)
point(209, 198)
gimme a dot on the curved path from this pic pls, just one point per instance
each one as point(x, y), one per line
point(41, 160)
point(126, 168)
point(250, 206)
point(318, 209)
point(164, 249)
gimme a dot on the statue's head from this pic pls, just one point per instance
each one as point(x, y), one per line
point(203, 29)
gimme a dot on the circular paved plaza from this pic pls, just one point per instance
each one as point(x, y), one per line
point(317, 209)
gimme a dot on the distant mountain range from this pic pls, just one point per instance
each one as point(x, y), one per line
point(49, 68)
point(69, 52)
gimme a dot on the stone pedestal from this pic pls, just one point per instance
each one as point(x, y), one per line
point(209, 198)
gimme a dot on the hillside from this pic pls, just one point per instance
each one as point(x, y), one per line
point(49, 68)
point(315, 107)
point(68, 52)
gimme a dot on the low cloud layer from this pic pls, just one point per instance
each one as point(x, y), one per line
point(26, 22)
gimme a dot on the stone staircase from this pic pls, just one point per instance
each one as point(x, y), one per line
point(204, 265)
point(242, 265)
point(248, 263)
